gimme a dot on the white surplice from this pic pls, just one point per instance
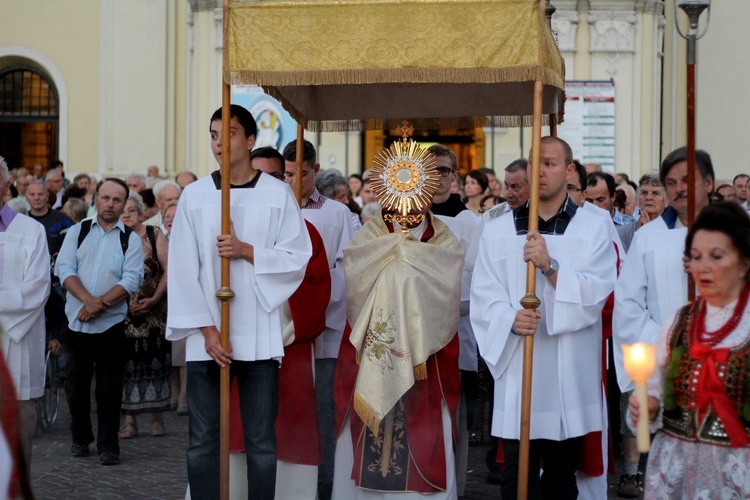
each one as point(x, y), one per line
point(334, 223)
point(566, 387)
point(651, 287)
point(466, 227)
point(24, 288)
point(267, 217)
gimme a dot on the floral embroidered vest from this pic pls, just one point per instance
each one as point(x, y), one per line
point(681, 417)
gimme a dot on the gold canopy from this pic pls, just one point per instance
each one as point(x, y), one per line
point(357, 64)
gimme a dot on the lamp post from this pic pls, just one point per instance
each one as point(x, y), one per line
point(693, 9)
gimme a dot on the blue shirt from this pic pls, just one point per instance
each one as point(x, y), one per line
point(100, 265)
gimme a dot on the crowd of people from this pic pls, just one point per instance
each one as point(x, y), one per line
point(364, 354)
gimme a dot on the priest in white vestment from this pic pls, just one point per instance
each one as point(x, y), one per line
point(269, 248)
point(24, 288)
point(575, 262)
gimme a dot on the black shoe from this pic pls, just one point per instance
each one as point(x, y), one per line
point(79, 450)
point(495, 477)
point(630, 486)
point(325, 490)
point(109, 458)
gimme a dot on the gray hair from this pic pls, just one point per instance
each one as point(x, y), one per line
point(328, 181)
point(159, 187)
point(18, 205)
point(51, 173)
point(4, 173)
point(78, 209)
point(370, 209)
point(141, 178)
point(137, 201)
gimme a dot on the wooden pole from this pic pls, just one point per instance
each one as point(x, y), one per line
point(299, 159)
point(530, 300)
point(691, 162)
point(225, 293)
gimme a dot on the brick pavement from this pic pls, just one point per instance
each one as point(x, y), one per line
point(154, 468)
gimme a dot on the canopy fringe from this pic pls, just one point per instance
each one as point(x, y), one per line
point(394, 75)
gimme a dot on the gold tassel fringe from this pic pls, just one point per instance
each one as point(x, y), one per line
point(371, 420)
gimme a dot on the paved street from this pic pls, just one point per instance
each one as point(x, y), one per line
point(154, 468)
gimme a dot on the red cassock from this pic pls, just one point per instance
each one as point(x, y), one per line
point(297, 438)
point(10, 426)
point(424, 423)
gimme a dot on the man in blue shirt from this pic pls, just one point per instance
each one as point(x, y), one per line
point(99, 268)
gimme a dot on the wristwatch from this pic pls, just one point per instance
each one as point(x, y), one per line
point(553, 267)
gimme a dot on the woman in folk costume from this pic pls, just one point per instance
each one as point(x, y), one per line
point(700, 391)
point(397, 382)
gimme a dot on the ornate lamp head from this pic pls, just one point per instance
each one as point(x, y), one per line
point(405, 178)
point(693, 9)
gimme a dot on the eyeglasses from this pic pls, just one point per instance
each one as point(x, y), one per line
point(444, 171)
point(571, 187)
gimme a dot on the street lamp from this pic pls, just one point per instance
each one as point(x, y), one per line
point(693, 9)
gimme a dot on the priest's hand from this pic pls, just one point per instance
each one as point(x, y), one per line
point(230, 247)
point(212, 339)
point(526, 322)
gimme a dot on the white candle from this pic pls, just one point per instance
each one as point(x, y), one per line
point(640, 361)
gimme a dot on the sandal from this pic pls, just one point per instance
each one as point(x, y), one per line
point(157, 428)
point(128, 431)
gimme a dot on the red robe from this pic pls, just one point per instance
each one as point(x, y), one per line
point(297, 437)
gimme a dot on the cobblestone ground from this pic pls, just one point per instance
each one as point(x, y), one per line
point(154, 468)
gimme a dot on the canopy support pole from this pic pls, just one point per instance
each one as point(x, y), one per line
point(691, 162)
point(530, 300)
point(299, 158)
point(225, 293)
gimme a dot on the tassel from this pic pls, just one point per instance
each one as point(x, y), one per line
point(371, 420)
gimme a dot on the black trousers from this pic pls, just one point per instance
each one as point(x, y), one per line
point(101, 355)
point(559, 473)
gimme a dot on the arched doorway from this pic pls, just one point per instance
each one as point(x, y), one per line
point(29, 117)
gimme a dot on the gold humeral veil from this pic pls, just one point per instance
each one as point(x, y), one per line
point(351, 65)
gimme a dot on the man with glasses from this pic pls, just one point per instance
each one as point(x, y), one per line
point(445, 202)
point(577, 183)
point(449, 208)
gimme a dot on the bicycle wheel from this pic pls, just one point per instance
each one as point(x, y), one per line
point(46, 406)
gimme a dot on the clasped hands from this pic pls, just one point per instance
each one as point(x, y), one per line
point(92, 308)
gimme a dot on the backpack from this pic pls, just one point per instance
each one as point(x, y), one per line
point(124, 236)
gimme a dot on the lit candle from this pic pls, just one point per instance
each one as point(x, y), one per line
point(640, 361)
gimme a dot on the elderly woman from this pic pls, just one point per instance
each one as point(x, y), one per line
point(333, 185)
point(146, 384)
point(701, 389)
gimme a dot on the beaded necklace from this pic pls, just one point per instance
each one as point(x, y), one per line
point(698, 331)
